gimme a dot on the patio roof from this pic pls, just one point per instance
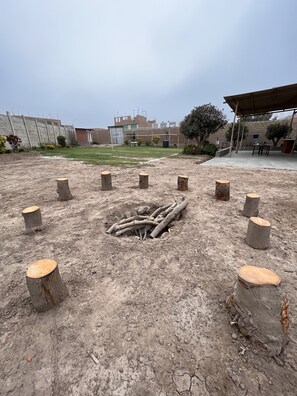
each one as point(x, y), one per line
point(266, 101)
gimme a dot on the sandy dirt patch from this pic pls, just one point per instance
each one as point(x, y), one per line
point(152, 312)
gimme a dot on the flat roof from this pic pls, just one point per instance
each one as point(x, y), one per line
point(265, 101)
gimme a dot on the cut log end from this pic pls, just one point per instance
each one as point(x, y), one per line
point(45, 284)
point(63, 189)
point(41, 268)
point(32, 218)
point(222, 191)
point(258, 276)
point(143, 180)
point(182, 183)
point(258, 233)
point(251, 205)
point(106, 183)
point(260, 308)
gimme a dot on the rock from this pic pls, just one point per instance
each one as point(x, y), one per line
point(143, 210)
point(234, 336)
point(242, 386)
point(182, 381)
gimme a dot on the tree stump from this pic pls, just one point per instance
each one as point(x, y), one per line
point(182, 183)
point(45, 284)
point(32, 217)
point(251, 206)
point(143, 180)
point(63, 189)
point(222, 190)
point(258, 233)
point(106, 184)
point(260, 309)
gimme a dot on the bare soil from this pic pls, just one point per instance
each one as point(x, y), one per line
point(152, 312)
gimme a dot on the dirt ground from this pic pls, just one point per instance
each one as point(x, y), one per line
point(152, 312)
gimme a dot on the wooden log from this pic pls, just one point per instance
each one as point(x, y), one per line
point(251, 205)
point(63, 189)
point(177, 210)
point(33, 220)
point(143, 180)
point(182, 183)
point(222, 192)
point(258, 233)
point(45, 284)
point(260, 308)
point(106, 183)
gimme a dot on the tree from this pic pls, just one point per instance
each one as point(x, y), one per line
point(276, 131)
point(235, 134)
point(202, 122)
point(259, 117)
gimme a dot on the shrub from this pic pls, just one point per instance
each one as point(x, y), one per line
point(46, 146)
point(20, 150)
point(126, 142)
point(139, 140)
point(148, 143)
point(14, 142)
point(7, 151)
point(2, 144)
point(61, 140)
point(210, 149)
point(156, 139)
point(75, 143)
point(95, 142)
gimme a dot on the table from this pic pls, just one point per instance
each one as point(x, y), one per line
point(133, 144)
point(261, 148)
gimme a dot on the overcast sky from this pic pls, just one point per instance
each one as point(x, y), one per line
point(86, 61)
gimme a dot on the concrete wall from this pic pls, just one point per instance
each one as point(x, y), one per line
point(34, 131)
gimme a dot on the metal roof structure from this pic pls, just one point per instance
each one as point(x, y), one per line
point(260, 102)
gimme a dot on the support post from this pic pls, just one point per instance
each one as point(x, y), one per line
point(232, 133)
point(38, 132)
point(47, 131)
point(27, 131)
point(238, 133)
point(242, 133)
point(10, 122)
point(53, 125)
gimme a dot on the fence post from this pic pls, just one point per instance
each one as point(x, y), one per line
point(10, 121)
point(38, 133)
point(53, 125)
point(48, 136)
point(27, 131)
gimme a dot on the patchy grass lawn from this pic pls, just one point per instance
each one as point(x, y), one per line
point(118, 155)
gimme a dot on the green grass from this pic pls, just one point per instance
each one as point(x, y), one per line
point(117, 156)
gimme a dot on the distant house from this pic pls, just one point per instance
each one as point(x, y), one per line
point(84, 136)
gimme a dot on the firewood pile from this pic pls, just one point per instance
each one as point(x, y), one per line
point(149, 225)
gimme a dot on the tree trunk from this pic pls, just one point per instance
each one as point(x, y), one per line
point(260, 309)
point(143, 180)
point(32, 217)
point(251, 206)
point(258, 233)
point(222, 190)
point(63, 189)
point(45, 285)
point(182, 183)
point(106, 184)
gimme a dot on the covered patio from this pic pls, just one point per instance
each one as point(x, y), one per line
point(274, 100)
point(245, 159)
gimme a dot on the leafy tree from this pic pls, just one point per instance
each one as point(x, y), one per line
point(235, 134)
point(276, 131)
point(259, 117)
point(202, 122)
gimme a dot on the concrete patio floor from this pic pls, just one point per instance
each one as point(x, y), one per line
point(245, 159)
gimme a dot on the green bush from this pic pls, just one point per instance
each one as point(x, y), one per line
point(61, 140)
point(46, 146)
point(95, 142)
point(192, 149)
point(139, 140)
point(75, 143)
point(20, 150)
point(156, 139)
point(126, 142)
point(7, 151)
point(14, 142)
point(148, 143)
